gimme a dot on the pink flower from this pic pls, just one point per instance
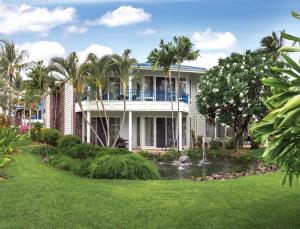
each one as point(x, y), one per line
point(23, 129)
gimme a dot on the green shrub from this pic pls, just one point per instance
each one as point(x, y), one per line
point(218, 153)
point(112, 151)
point(68, 141)
point(170, 154)
point(4, 161)
point(194, 154)
point(128, 166)
point(62, 161)
point(50, 136)
point(44, 151)
point(83, 151)
point(146, 154)
point(9, 138)
point(35, 131)
point(229, 142)
point(215, 143)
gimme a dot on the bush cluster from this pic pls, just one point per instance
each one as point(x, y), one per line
point(35, 131)
point(122, 166)
point(44, 151)
point(50, 136)
point(82, 151)
point(92, 161)
point(194, 154)
point(68, 141)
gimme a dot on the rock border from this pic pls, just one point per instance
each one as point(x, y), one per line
point(229, 176)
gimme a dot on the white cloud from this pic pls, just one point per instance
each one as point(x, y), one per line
point(97, 49)
point(122, 16)
point(214, 40)
point(146, 32)
point(75, 29)
point(25, 18)
point(42, 50)
point(206, 60)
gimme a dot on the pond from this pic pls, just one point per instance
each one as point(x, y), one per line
point(172, 170)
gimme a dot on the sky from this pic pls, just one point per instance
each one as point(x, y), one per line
point(48, 28)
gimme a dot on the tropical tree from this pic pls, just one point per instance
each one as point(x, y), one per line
point(184, 51)
point(99, 72)
point(280, 129)
point(11, 62)
point(232, 91)
point(163, 58)
point(121, 67)
point(73, 71)
point(272, 43)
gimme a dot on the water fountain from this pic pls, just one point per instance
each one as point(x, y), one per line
point(204, 161)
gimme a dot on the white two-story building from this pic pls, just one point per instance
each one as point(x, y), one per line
point(148, 120)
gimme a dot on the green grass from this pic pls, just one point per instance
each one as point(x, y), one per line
point(40, 196)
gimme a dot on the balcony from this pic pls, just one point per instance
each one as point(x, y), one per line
point(137, 95)
point(136, 101)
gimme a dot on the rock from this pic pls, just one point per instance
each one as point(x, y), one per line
point(183, 159)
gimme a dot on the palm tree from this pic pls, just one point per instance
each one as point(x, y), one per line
point(272, 43)
point(184, 52)
point(12, 61)
point(164, 58)
point(99, 71)
point(40, 79)
point(121, 66)
point(70, 69)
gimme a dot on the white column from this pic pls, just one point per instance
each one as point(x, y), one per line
point(83, 128)
point(180, 130)
point(142, 133)
point(216, 127)
point(88, 127)
point(130, 131)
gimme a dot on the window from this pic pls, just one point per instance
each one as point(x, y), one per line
point(182, 85)
point(148, 86)
point(114, 127)
point(149, 131)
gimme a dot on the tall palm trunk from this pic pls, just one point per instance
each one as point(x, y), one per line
point(124, 113)
point(172, 108)
point(85, 118)
point(56, 94)
point(106, 132)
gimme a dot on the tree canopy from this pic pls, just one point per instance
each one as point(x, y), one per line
point(232, 90)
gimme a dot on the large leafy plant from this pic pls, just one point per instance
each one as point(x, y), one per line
point(9, 138)
point(280, 129)
point(232, 90)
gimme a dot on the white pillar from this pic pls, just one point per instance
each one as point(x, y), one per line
point(88, 127)
point(83, 128)
point(142, 133)
point(216, 127)
point(180, 130)
point(130, 131)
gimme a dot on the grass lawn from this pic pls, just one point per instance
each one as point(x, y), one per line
point(40, 196)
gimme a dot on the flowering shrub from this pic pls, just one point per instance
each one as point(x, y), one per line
point(23, 129)
point(233, 91)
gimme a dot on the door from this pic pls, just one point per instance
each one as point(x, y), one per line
point(160, 132)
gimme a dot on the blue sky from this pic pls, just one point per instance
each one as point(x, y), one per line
point(217, 27)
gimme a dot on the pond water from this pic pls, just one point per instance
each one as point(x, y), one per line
point(172, 170)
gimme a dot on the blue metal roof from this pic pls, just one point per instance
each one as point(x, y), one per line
point(174, 67)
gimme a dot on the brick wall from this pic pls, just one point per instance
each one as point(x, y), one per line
point(57, 103)
point(78, 124)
